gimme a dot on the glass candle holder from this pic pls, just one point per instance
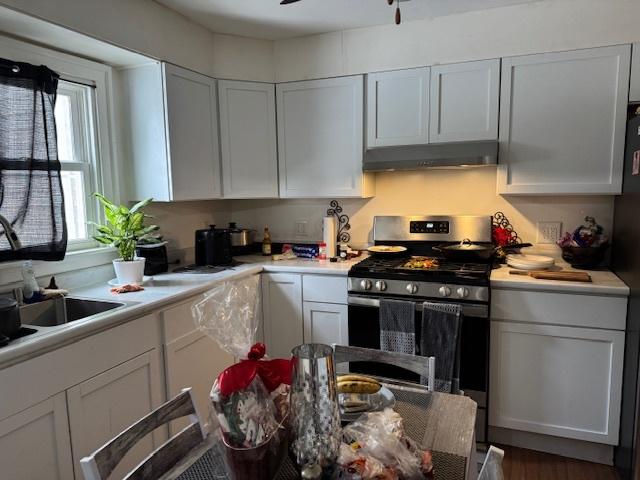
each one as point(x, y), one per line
point(315, 415)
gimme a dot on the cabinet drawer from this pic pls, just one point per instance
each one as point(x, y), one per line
point(326, 289)
point(559, 309)
point(177, 321)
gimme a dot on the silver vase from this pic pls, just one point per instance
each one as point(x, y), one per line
point(314, 406)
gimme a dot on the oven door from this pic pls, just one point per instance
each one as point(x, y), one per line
point(364, 331)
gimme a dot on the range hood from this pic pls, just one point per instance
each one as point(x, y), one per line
point(434, 155)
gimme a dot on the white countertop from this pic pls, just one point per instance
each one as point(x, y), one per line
point(604, 282)
point(163, 290)
point(169, 288)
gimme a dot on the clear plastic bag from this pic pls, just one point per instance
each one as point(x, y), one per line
point(228, 314)
point(248, 399)
point(375, 446)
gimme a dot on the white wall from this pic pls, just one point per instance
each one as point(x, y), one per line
point(179, 221)
point(445, 192)
point(550, 25)
point(149, 28)
point(152, 29)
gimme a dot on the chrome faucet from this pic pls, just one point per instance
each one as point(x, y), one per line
point(14, 241)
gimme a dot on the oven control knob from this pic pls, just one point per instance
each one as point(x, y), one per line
point(412, 288)
point(381, 285)
point(463, 292)
point(365, 284)
point(444, 291)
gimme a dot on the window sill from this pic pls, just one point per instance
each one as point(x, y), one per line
point(11, 272)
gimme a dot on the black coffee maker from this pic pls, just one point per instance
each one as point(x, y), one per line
point(156, 258)
point(213, 246)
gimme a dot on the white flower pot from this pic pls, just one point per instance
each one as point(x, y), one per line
point(129, 272)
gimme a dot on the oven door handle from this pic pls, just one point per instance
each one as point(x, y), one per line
point(468, 309)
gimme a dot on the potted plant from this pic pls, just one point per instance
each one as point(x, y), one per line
point(124, 229)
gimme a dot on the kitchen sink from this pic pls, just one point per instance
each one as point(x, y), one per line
point(64, 310)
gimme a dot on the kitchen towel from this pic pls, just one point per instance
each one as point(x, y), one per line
point(397, 326)
point(440, 338)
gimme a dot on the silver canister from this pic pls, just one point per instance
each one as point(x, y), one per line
point(314, 407)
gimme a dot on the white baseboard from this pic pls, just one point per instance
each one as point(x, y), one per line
point(578, 449)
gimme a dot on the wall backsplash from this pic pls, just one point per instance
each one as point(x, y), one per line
point(446, 192)
point(178, 221)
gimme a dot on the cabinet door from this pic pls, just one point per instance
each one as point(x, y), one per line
point(282, 313)
point(325, 323)
point(398, 107)
point(248, 139)
point(320, 138)
point(192, 123)
point(561, 381)
point(562, 122)
point(35, 442)
point(634, 91)
point(464, 101)
point(105, 405)
point(193, 360)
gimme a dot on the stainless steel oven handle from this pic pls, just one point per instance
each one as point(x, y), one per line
point(468, 309)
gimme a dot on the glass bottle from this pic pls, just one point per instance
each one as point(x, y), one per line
point(266, 242)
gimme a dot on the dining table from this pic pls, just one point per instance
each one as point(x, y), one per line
point(440, 422)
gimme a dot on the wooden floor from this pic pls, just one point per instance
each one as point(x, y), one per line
point(521, 464)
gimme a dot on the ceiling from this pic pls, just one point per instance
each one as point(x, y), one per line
point(270, 20)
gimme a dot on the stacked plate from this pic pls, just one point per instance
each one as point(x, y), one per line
point(529, 262)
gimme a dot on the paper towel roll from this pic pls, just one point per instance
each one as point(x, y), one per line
point(330, 234)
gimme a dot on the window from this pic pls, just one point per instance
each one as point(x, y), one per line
point(76, 133)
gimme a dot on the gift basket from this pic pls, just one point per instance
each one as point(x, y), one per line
point(586, 247)
point(250, 399)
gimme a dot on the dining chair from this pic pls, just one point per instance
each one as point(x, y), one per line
point(101, 463)
point(423, 366)
point(492, 466)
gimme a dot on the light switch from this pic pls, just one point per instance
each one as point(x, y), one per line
point(300, 227)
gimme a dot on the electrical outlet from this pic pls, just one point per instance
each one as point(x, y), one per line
point(549, 232)
point(300, 227)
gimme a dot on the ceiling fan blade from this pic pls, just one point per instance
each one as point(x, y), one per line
point(286, 2)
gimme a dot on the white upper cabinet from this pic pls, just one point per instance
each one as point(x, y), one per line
point(248, 139)
point(464, 101)
point(172, 133)
point(562, 122)
point(320, 138)
point(634, 92)
point(398, 107)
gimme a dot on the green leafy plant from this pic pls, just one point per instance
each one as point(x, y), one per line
point(125, 227)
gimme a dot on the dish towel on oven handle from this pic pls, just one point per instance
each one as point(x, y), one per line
point(397, 326)
point(440, 338)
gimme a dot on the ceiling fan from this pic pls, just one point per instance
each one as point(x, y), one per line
point(390, 2)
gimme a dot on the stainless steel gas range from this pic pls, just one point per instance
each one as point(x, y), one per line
point(421, 274)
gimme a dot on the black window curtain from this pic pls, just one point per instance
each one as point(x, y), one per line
point(31, 198)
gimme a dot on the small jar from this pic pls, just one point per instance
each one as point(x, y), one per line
point(322, 251)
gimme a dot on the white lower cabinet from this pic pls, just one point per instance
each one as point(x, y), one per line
point(325, 323)
point(556, 380)
point(303, 309)
point(34, 443)
point(282, 313)
point(105, 405)
point(194, 360)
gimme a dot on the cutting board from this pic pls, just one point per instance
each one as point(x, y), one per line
point(554, 275)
